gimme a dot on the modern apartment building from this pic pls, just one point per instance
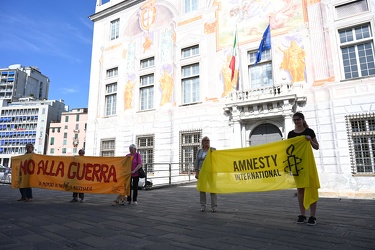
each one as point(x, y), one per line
point(18, 81)
point(26, 121)
point(160, 78)
point(68, 135)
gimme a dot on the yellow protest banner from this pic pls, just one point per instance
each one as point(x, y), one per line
point(274, 166)
point(85, 174)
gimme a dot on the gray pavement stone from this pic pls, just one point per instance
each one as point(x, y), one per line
point(170, 218)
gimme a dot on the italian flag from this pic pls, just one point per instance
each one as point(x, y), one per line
point(232, 64)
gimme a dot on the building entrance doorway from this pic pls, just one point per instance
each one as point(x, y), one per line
point(265, 133)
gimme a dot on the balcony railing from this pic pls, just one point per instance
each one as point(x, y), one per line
point(263, 93)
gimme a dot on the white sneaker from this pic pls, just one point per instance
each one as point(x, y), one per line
point(135, 203)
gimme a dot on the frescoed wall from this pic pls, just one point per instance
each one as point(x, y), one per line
point(251, 17)
point(150, 30)
point(293, 58)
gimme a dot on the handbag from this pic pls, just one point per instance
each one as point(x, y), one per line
point(141, 173)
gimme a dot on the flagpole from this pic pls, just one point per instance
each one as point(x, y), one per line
point(239, 79)
point(272, 56)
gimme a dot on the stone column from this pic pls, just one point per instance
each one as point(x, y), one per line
point(237, 135)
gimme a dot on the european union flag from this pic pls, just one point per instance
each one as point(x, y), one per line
point(265, 44)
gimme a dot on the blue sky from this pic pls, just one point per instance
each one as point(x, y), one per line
point(55, 36)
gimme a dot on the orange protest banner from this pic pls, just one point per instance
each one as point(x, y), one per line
point(86, 174)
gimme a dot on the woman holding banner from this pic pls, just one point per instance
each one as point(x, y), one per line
point(301, 128)
point(136, 165)
point(201, 155)
point(81, 152)
point(27, 193)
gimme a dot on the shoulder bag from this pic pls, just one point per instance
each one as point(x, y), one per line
point(141, 172)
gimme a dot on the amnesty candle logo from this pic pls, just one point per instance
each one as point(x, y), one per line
point(292, 162)
point(275, 166)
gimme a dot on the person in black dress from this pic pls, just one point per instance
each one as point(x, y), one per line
point(301, 128)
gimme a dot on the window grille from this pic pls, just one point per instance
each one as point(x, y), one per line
point(145, 144)
point(352, 8)
point(189, 145)
point(361, 136)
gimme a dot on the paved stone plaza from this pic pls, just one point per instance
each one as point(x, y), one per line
point(170, 218)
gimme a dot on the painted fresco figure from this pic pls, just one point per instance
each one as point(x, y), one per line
point(27, 193)
point(229, 84)
point(301, 128)
point(201, 155)
point(128, 95)
point(81, 196)
point(294, 62)
point(166, 85)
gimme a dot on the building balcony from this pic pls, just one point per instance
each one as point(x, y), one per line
point(264, 102)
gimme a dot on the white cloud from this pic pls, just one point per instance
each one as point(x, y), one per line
point(68, 90)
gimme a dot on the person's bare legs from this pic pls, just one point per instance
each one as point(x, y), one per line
point(313, 209)
point(202, 199)
point(213, 202)
point(300, 196)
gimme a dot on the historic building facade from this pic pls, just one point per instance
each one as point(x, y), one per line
point(68, 135)
point(160, 78)
point(26, 121)
point(17, 82)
